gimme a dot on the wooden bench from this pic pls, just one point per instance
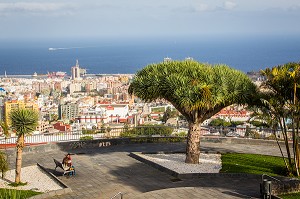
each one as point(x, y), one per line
point(60, 165)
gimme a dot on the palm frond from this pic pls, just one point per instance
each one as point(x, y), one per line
point(24, 121)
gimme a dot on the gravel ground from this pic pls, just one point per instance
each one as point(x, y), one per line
point(208, 163)
point(37, 180)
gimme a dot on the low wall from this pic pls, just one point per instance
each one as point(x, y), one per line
point(88, 144)
point(285, 186)
point(71, 145)
point(231, 140)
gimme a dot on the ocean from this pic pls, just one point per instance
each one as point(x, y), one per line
point(127, 56)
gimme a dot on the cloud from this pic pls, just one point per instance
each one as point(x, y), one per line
point(213, 6)
point(201, 7)
point(294, 8)
point(229, 5)
point(32, 7)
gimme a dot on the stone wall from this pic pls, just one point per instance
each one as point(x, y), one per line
point(88, 144)
point(71, 145)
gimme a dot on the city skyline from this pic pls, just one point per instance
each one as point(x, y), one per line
point(23, 20)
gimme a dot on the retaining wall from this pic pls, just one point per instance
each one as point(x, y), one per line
point(71, 145)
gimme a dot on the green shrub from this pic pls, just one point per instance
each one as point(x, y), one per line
point(181, 134)
point(85, 138)
point(127, 134)
point(148, 130)
point(87, 131)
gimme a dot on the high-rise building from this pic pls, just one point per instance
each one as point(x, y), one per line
point(1, 108)
point(68, 111)
point(75, 71)
point(41, 86)
point(12, 105)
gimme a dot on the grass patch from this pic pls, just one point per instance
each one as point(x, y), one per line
point(290, 196)
point(17, 194)
point(158, 109)
point(253, 164)
point(85, 138)
point(13, 184)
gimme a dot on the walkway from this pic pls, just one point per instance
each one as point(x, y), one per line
point(103, 172)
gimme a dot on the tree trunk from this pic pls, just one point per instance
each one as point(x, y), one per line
point(286, 142)
point(20, 145)
point(285, 163)
point(193, 144)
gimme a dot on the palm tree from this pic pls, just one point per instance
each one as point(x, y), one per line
point(281, 100)
point(4, 157)
point(197, 90)
point(5, 128)
point(266, 113)
point(23, 121)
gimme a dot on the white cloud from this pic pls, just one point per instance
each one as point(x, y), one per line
point(211, 6)
point(32, 7)
point(229, 5)
point(201, 7)
point(294, 8)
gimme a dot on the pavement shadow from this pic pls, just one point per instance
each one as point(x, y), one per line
point(146, 178)
point(56, 172)
point(113, 166)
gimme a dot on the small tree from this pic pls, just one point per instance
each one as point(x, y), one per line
point(23, 121)
point(167, 115)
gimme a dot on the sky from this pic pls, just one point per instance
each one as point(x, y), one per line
point(41, 19)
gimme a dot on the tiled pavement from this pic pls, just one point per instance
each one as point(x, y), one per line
point(103, 172)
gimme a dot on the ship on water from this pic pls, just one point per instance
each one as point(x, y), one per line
point(58, 74)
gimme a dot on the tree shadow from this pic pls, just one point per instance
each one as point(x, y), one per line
point(7, 180)
point(111, 164)
point(146, 178)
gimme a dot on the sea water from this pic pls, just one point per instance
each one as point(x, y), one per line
point(123, 56)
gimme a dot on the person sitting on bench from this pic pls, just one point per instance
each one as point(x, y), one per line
point(67, 163)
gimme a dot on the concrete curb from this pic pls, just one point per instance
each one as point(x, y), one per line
point(137, 155)
point(180, 176)
point(62, 191)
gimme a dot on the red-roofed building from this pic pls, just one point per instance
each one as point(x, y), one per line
point(229, 113)
point(62, 127)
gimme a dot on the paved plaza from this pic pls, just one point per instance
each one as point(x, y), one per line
point(103, 172)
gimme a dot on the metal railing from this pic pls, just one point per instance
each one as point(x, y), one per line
point(142, 131)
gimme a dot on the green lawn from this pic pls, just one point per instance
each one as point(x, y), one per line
point(158, 109)
point(290, 196)
point(16, 194)
point(253, 164)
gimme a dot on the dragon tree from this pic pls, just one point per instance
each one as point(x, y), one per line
point(197, 90)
